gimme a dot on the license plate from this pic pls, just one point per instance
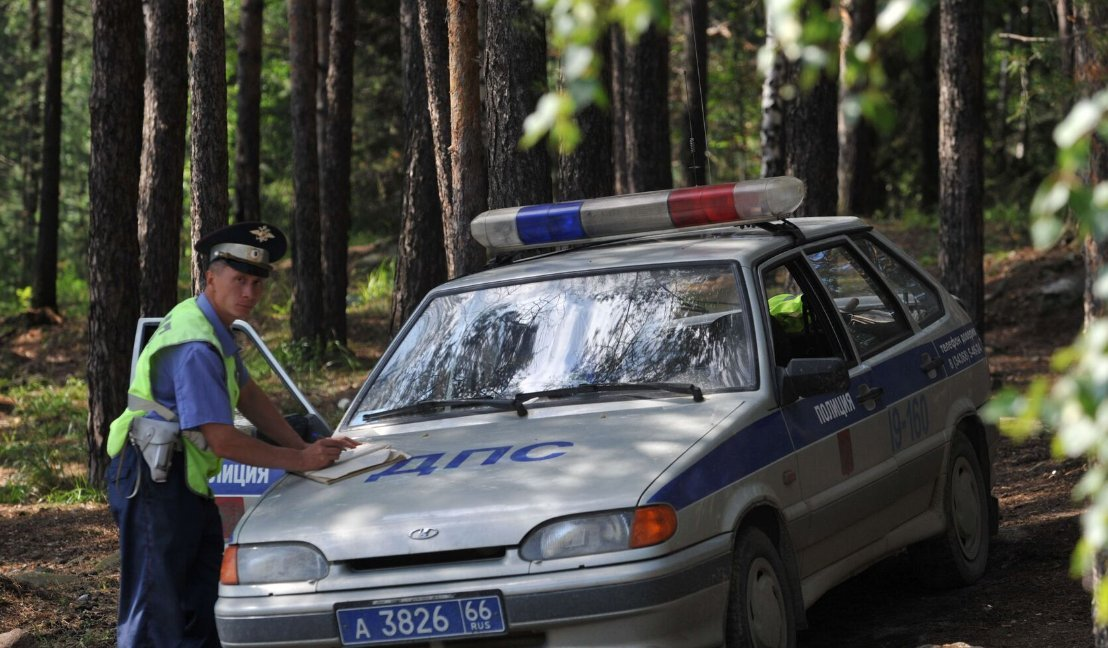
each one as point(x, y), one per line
point(458, 616)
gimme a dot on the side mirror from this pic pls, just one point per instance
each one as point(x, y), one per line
point(806, 377)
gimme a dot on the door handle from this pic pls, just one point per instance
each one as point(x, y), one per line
point(868, 397)
point(929, 364)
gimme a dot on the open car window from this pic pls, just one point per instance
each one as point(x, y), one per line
point(659, 325)
point(919, 298)
point(871, 316)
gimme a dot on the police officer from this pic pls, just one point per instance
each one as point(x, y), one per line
point(178, 424)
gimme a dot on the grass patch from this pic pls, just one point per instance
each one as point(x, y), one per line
point(43, 447)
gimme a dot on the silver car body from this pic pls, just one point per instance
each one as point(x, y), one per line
point(839, 481)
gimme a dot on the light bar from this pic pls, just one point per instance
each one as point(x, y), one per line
point(579, 221)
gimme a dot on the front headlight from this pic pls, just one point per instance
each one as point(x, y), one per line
point(271, 563)
point(600, 533)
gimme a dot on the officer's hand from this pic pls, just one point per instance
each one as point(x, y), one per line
point(325, 451)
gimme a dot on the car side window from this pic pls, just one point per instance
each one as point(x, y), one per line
point(872, 318)
point(799, 325)
point(917, 296)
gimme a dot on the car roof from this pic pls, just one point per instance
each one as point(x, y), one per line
point(742, 243)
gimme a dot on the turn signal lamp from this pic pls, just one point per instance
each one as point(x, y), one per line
point(580, 221)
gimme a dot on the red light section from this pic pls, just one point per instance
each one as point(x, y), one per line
point(702, 205)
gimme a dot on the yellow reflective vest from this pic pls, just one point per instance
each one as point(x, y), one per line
point(185, 323)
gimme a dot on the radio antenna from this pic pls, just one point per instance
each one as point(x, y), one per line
point(693, 166)
point(700, 97)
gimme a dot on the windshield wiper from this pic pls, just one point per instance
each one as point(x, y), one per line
point(592, 388)
point(432, 405)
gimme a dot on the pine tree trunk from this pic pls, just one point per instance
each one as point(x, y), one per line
point(115, 119)
point(468, 176)
point(421, 260)
point(929, 114)
point(208, 91)
point(587, 171)
point(772, 131)
point(307, 300)
point(44, 293)
point(335, 168)
point(163, 154)
point(641, 115)
point(515, 77)
point(435, 43)
point(961, 155)
point(322, 61)
point(855, 134)
point(811, 142)
point(1090, 76)
point(31, 156)
point(248, 131)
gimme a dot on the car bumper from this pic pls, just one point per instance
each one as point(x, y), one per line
point(676, 600)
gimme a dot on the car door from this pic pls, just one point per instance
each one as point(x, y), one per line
point(846, 464)
point(238, 486)
point(918, 380)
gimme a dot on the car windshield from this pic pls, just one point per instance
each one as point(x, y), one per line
point(672, 325)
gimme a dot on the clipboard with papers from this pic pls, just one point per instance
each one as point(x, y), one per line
point(363, 458)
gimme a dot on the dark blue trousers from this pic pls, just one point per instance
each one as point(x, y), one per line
point(171, 547)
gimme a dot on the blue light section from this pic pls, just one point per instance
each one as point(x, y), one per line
point(550, 223)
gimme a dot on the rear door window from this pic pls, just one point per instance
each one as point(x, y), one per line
point(870, 314)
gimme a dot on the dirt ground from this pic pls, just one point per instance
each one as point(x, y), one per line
point(59, 571)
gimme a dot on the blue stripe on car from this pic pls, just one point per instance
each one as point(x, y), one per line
point(763, 442)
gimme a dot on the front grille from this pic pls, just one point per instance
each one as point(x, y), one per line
point(433, 558)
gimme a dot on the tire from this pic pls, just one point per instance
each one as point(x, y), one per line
point(760, 608)
point(959, 555)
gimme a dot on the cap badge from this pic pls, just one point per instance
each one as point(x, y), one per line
point(262, 234)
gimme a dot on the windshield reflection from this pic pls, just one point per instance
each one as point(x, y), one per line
point(680, 325)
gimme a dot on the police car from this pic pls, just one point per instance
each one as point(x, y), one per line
point(679, 428)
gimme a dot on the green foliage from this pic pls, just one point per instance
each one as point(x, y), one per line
point(45, 447)
point(576, 26)
point(1073, 409)
point(378, 284)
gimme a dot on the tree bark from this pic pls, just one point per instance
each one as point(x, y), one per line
point(307, 300)
point(961, 154)
point(468, 177)
point(694, 154)
point(515, 78)
point(929, 115)
point(115, 115)
point(435, 43)
point(335, 169)
point(248, 132)
point(1065, 16)
point(855, 134)
point(1091, 75)
point(421, 261)
point(587, 171)
point(811, 142)
point(31, 155)
point(163, 154)
point(640, 74)
point(322, 61)
point(208, 89)
point(44, 293)
point(772, 132)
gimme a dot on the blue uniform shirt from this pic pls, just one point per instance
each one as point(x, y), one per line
point(190, 380)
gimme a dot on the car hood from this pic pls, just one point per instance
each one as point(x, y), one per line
point(485, 480)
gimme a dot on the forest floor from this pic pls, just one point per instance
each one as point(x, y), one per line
point(59, 564)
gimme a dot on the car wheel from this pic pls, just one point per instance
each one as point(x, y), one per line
point(760, 611)
point(958, 556)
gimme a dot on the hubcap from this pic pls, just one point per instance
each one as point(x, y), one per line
point(965, 500)
point(765, 609)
